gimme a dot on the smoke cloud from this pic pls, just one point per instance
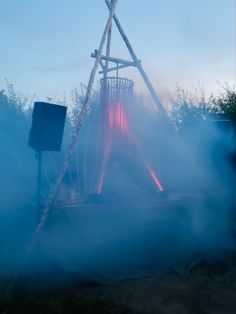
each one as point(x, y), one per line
point(134, 229)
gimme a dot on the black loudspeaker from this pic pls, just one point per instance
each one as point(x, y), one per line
point(48, 121)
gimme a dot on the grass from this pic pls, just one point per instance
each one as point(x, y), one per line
point(58, 302)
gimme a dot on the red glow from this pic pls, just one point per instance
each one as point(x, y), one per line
point(117, 117)
point(150, 170)
point(154, 177)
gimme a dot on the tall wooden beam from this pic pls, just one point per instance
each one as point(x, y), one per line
point(108, 49)
point(138, 64)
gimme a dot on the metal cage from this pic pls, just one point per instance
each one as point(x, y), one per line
point(116, 105)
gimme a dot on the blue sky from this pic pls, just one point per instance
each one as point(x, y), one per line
point(46, 44)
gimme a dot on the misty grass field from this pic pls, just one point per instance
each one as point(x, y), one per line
point(208, 289)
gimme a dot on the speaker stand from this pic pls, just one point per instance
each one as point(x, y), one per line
point(38, 155)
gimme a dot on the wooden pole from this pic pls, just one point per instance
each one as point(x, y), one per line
point(139, 66)
point(115, 60)
point(115, 68)
point(108, 50)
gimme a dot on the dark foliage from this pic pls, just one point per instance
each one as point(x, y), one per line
point(188, 108)
point(225, 105)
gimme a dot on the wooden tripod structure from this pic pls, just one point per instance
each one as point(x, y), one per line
point(115, 112)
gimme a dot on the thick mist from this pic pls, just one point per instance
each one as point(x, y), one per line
point(136, 230)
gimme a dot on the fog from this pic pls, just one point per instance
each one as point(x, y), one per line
point(135, 230)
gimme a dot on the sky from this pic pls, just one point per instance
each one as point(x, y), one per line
point(46, 44)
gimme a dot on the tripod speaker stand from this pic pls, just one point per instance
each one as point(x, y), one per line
point(48, 121)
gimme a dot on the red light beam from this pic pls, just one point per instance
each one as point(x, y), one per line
point(149, 168)
point(154, 177)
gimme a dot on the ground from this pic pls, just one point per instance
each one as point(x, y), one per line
point(202, 287)
point(206, 288)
